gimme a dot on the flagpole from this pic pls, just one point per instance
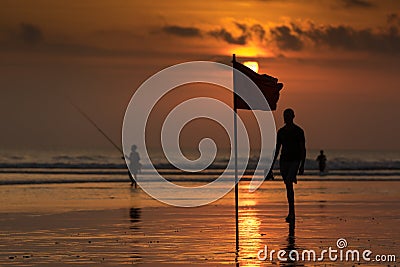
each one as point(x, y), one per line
point(236, 162)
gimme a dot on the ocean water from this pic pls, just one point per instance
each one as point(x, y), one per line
point(70, 166)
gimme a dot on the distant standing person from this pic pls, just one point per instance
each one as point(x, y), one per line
point(291, 138)
point(134, 164)
point(321, 162)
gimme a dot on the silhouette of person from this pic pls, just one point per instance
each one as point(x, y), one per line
point(321, 162)
point(134, 164)
point(291, 138)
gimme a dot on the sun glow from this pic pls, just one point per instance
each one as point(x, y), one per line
point(253, 65)
point(247, 51)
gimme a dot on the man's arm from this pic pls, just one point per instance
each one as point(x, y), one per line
point(303, 155)
point(277, 149)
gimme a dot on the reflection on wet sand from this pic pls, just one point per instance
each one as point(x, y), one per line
point(134, 215)
point(249, 230)
point(253, 232)
point(290, 246)
point(134, 218)
point(147, 233)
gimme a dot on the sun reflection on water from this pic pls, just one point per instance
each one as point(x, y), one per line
point(249, 230)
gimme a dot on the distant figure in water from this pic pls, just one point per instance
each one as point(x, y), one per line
point(134, 164)
point(291, 138)
point(321, 162)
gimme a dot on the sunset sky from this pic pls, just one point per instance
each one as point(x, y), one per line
point(339, 62)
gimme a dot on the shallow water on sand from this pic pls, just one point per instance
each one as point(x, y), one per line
point(112, 224)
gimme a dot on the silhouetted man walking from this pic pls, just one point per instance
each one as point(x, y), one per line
point(291, 138)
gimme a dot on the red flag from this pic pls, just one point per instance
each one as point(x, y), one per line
point(268, 85)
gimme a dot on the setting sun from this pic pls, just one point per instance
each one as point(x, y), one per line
point(253, 65)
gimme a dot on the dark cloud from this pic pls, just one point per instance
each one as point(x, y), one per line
point(333, 36)
point(30, 34)
point(248, 32)
point(286, 39)
point(27, 37)
point(258, 31)
point(299, 36)
point(228, 37)
point(293, 36)
point(296, 37)
point(347, 38)
point(241, 26)
point(357, 4)
point(182, 31)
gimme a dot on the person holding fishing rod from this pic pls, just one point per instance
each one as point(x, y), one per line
point(134, 157)
point(134, 164)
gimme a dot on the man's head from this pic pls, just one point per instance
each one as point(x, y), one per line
point(288, 115)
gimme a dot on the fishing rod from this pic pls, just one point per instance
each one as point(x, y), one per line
point(97, 127)
point(105, 135)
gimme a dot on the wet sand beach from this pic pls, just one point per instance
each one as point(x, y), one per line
point(110, 224)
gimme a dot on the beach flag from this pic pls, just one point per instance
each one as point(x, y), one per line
point(269, 86)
